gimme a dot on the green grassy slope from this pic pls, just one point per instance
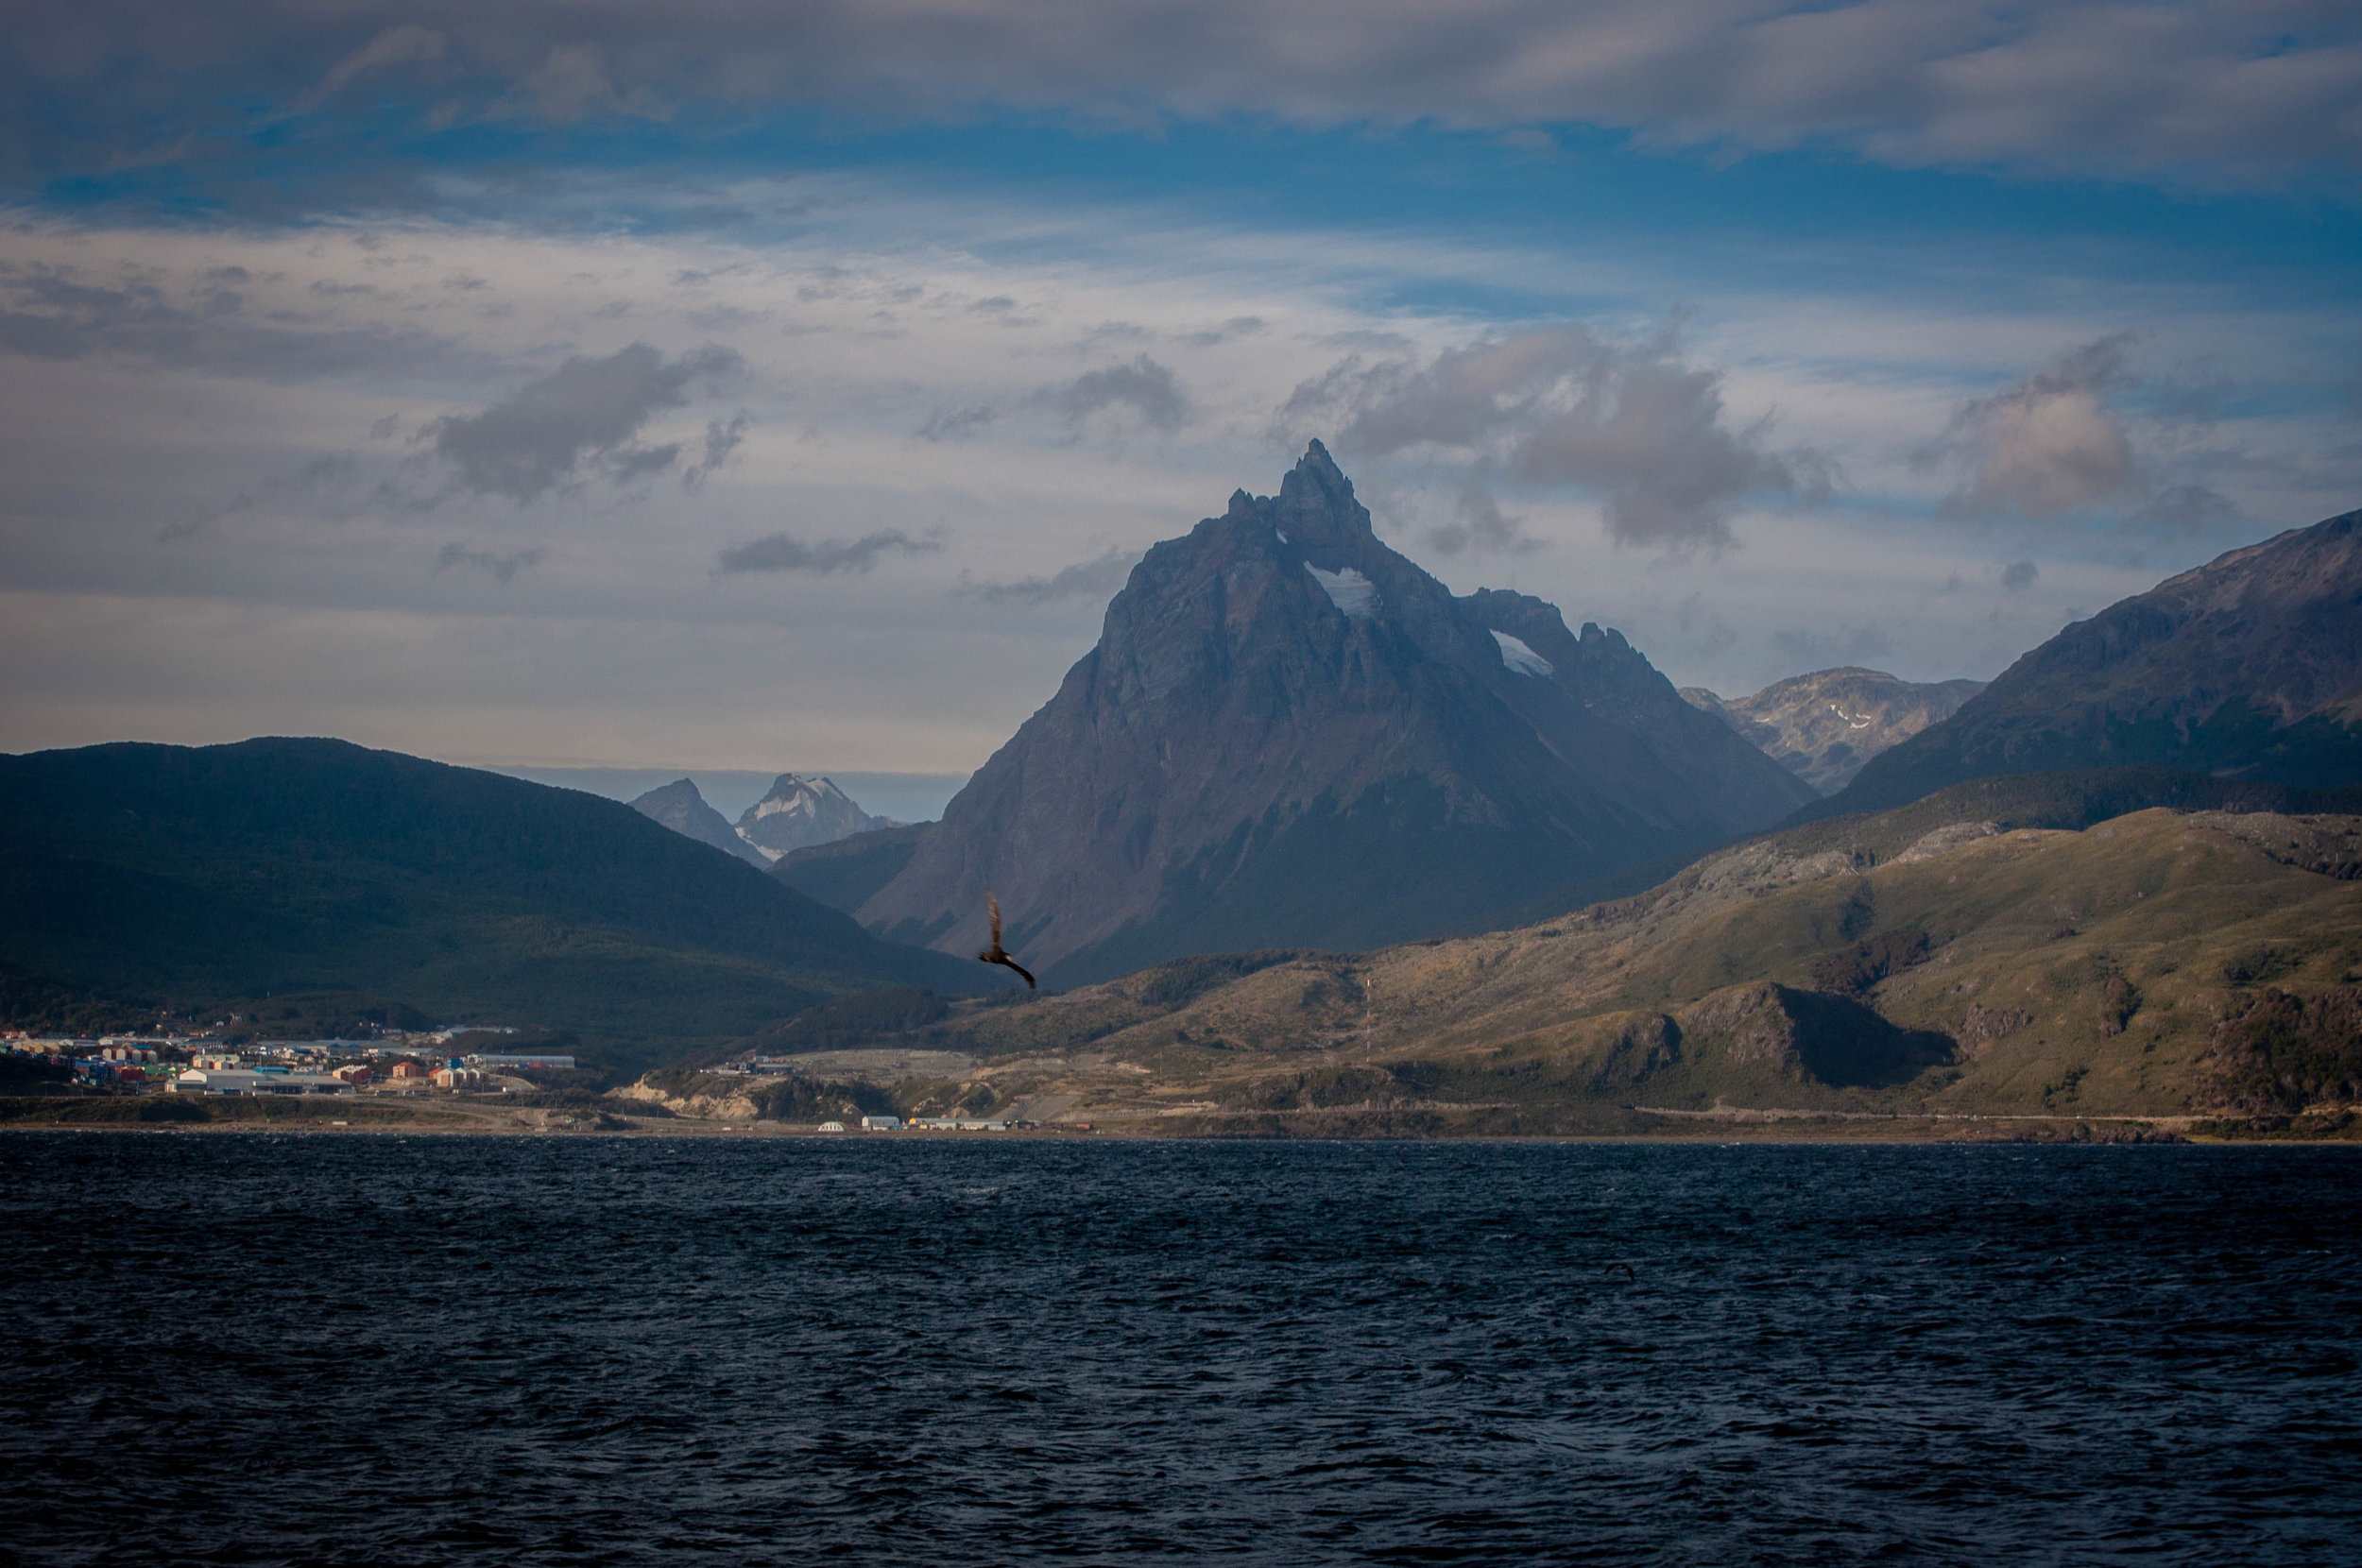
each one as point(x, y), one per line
point(1956, 957)
point(190, 875)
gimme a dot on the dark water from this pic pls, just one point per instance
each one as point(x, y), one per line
point(262, 1349)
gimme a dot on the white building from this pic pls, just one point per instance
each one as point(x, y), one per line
point(881, 1124)
point(235, 1080)
point(833, 1127)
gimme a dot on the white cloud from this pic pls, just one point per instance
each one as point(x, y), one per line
point(2046, 446)
point(1628, 420)
point(297, 609)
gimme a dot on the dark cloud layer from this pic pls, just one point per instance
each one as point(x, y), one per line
point(1095, 578)
point(580, 420)
point(820, 558)
point(60, 313)
point(1629, 421)
point(2259, 88)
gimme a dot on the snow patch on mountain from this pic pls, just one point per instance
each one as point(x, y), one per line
point(799, 812)
point(1521, 658)
point(1348, 591)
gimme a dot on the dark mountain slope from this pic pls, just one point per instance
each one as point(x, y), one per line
point(2249, 667)
point(1289, 735)
point(848, 873)
point(273, 865)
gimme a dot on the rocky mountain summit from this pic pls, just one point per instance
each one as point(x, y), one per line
point(1289, 734)
point(682, 808)
point(2247, 667)
point(1824, 727)
point(798, 812)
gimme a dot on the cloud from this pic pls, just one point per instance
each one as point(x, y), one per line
point(786, 552)
point(2019, 575)
point(1143, 386)
point(1147, 390)
point(1100, 574)
point(501, 568)
point(1238, 326)
point(406, 44)
point(957, 424)
point(722, 444)
point(1630, 421)
point(2044, 446)
point(2189, 508)
point(2243, 92)
point(578, 420)
point(56, 312)
point(1480, 524)
point(572, 85)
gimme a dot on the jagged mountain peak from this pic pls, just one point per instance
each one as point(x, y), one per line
point(1291, 734)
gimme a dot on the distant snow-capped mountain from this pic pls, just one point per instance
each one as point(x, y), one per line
point(799, 812)
point(1824, 727)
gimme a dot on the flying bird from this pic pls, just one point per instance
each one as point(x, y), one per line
point(1629, 1275)
point(994, 953)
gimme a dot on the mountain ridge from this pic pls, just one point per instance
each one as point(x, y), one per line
point(195, 873)
point(2249, 666)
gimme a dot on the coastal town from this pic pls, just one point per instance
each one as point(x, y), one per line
point(397, 1064)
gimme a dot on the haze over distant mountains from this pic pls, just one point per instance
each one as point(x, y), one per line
point(2247, 667)
point(797, 813)
point(1291, 734)
point(1825, 726)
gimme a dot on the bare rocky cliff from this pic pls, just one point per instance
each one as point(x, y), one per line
point(1289, 734)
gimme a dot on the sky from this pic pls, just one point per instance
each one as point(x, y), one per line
point(706, 386)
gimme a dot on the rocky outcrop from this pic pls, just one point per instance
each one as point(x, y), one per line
point(1824, 727)
point(1810, 1036)
point(679, 807)
point(2247, 668)
point(1288, 735)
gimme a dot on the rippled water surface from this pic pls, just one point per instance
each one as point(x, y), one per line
point(434, 1350)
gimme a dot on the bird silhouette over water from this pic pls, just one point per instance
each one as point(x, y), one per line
point(1629, 1276)
point(995, 954)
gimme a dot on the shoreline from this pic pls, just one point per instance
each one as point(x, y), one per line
point(1719, 1126)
